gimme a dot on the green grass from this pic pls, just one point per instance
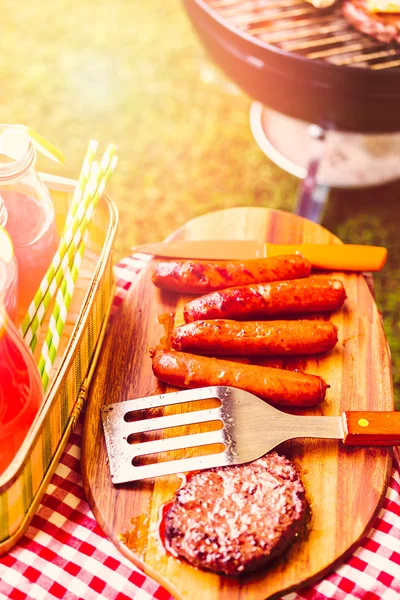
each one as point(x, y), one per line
point(135, 74)
point(373, 218)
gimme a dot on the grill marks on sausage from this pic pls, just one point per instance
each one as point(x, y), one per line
point(236, 519)
point(221, 337)
point(279, 386)
point(314, 294)
point(195, 276)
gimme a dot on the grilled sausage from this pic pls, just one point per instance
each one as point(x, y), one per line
point(224, 337)
point(280, 387)
point(276, 362)
point(314, 294)
point(202, 276)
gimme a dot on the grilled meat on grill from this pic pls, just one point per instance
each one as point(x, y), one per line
point(384, 27)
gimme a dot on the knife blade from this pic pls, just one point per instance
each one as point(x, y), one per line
point(338, 257)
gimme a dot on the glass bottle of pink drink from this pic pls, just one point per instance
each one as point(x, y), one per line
point(9, 282)
point(21, 390)
point(26, 212)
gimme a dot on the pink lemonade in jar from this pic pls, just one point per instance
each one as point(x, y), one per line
point(26, 212)
point(21, 391)
point(8, 285)
point(35, 241)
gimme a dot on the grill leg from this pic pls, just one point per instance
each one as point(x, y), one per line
point(312, 197)
point(311, 202)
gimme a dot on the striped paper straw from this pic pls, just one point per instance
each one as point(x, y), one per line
point(58, 317)
point(51, 280)
point(90, 198)
point(82, 181)
point(48, 278)
point(64, 294)
point(47, 293)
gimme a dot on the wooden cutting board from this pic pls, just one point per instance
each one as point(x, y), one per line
point(344, 486)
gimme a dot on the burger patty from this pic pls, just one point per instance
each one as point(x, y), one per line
point(236, 519)
point(381, 26)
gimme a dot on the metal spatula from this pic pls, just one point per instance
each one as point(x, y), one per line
point(250, 428)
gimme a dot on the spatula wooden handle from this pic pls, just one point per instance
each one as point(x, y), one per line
point(371, 428)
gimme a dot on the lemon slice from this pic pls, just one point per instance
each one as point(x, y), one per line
point(40, 143)
point(6, 246)
point(44, 147)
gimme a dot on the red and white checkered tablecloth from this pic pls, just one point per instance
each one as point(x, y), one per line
point(64, 553)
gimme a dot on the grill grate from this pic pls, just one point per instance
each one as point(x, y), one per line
point(318, 34)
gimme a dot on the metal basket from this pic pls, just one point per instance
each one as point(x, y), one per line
point(22, 488)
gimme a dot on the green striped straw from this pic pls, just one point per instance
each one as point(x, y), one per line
point(71, 237)
point(48, 278)
point(32, 332)
point(82, 181)
point(58, 317)
point(65, 292)
point(48, 282)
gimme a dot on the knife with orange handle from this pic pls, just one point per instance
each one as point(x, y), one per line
point(336, 257)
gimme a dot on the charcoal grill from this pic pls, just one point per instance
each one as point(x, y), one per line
point(305, 62)
point(309, 64)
